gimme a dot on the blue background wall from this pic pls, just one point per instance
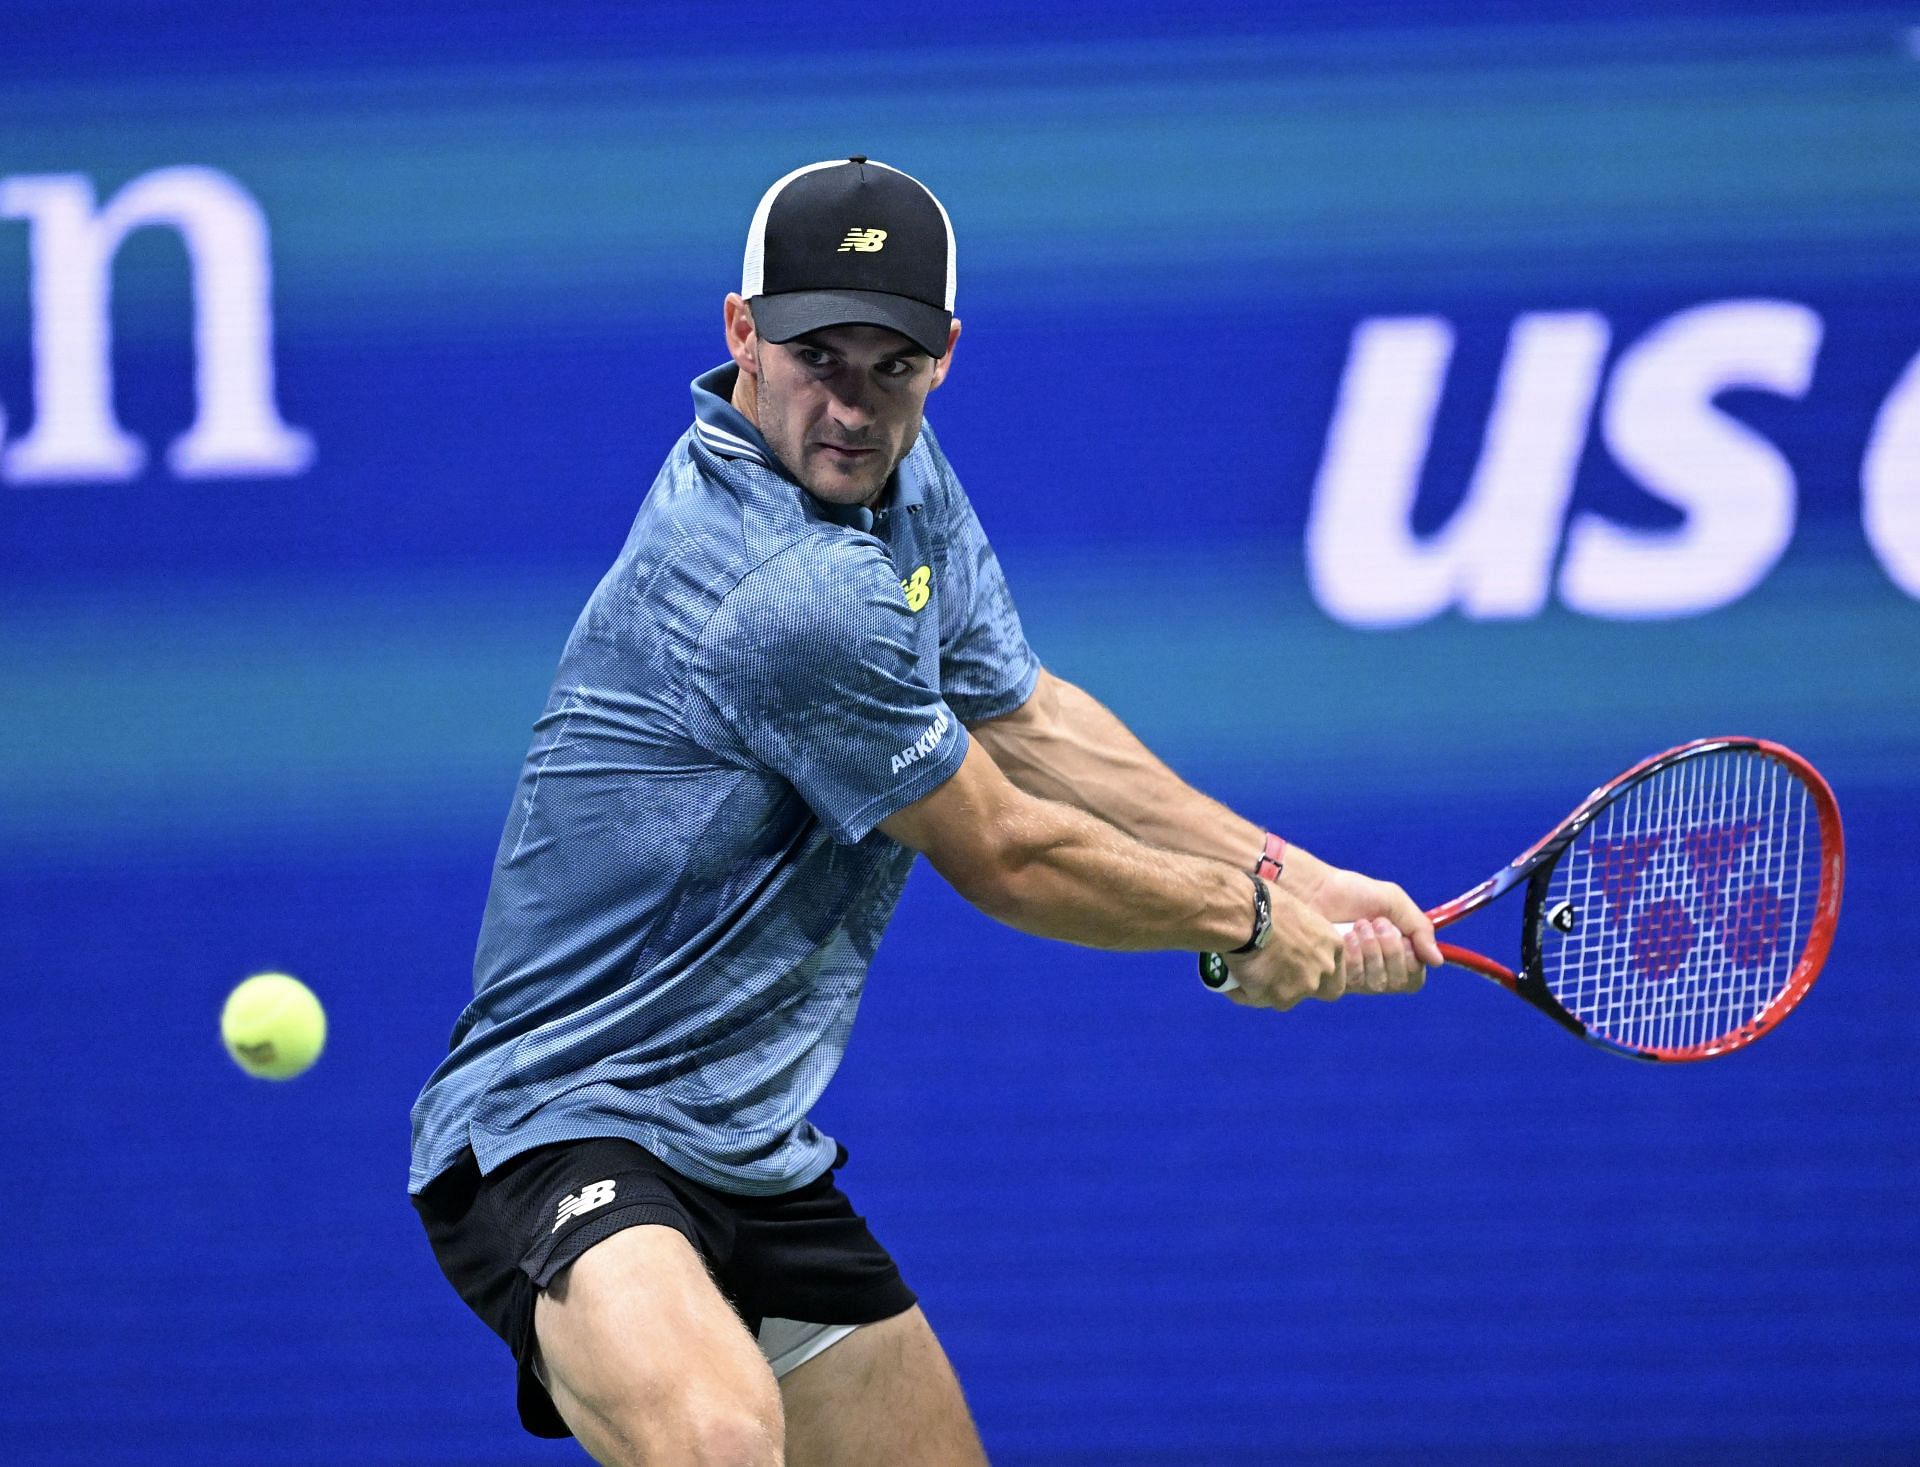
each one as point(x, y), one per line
point(272, 719)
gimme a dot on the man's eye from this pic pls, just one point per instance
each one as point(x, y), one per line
point(814, 357)
point(897, 368)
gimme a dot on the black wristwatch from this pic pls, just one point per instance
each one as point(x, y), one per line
point(1262, 920)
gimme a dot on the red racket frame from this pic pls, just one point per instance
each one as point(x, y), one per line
point(1826, 912)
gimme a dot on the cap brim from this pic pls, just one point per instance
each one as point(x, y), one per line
point(796, 312)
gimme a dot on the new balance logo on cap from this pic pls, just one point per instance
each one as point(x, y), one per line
point(599, 1194)
point(867, 241)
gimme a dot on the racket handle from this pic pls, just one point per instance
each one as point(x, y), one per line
point(1213, 967)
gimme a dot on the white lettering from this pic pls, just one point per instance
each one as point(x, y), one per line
point(237, 429)
point(922, 746)
point(1494, 557)
point(1736, 490)
point(1890, 482)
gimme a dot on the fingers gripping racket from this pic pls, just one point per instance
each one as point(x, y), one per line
point(1680, 912)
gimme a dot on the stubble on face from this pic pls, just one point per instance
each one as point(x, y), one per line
point(836, 460)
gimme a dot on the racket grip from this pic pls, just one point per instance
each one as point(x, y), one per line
point(1213, 967)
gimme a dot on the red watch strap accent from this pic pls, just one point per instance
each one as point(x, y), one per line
point(1273, 859)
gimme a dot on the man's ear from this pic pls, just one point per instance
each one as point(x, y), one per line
point(741, 341)
point(940, 367)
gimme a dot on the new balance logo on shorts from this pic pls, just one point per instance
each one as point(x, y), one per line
point(599, 1194)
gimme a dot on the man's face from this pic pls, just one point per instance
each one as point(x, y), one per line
point(840, 406)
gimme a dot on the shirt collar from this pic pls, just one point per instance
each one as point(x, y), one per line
point(724, 430)
point(722, 427)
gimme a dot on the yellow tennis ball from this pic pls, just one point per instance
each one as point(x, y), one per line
point(274, 1026)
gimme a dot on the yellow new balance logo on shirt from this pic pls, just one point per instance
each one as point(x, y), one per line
point(919, 587)
point(866, 241)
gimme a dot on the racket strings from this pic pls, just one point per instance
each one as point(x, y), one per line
point(1683, 907)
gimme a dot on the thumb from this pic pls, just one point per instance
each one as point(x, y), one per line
point(1426, 946)
point(1419, 929)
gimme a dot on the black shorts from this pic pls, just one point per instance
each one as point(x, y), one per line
point(501, 1238)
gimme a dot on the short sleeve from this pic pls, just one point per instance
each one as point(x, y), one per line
point(809, 664)
point(986, 666)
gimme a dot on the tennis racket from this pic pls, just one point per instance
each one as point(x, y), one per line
point(1679, 913)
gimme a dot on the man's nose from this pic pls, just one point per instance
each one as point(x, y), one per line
point(851, 408)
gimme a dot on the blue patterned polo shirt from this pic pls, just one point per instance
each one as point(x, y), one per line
point(690, 888)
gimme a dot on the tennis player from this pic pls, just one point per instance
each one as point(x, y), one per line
point(804, 667)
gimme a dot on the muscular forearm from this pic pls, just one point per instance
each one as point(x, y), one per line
point(1069, 876)
point(1056, 871)
point(1065, 745)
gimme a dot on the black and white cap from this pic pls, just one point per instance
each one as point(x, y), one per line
point(851, 243)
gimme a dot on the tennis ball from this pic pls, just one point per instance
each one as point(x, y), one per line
point(273, 1026)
